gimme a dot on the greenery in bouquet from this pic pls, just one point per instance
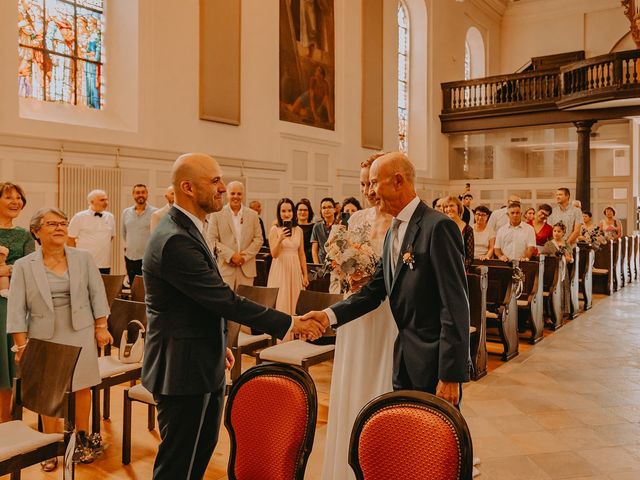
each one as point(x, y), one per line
point(595, 237)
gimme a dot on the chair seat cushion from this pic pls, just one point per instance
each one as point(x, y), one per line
point(16, 438)
point(109, 366)
point(294, 352)
point(523, 303)
point(492, 315)
point(244, 339)
point(472, 329)
point(600, 271)
point(141, 394)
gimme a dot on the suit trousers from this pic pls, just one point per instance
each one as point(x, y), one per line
point(189, 427)
point(134, 267)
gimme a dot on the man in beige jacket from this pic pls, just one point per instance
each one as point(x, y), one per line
point(234, 234)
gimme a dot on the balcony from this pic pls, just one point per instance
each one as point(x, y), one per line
point(597, 88)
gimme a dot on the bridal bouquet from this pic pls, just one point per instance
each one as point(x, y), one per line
point(350, 255)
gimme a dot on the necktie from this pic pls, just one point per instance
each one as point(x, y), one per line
point(395, 242)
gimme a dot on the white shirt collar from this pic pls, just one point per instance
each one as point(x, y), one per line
point(239, 214)
point(516, 226)
point(407, 212)
point(196, 221)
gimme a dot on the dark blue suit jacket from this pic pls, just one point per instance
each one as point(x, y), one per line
point(430, 302)
point(187, 302)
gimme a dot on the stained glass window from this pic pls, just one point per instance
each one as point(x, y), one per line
point(60, 51)
point(403, 77)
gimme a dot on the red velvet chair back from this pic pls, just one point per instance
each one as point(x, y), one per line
point(408, 434)
point(271, 418)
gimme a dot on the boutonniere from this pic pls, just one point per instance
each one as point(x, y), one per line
point(408, 259)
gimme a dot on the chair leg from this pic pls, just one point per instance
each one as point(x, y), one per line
point(15, 475)
point(126, 428)
point(151, 417)
point(236, 371)
point(106, 403)
point(95, 409)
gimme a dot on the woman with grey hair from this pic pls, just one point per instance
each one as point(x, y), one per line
point(60, 276)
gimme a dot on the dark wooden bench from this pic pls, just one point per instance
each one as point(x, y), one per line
point(530, 303)
point(477, 279)
point(603, 269)
point(573, 285)
point(552, 290)
point(632, 258)
point(502, 307)
point(585, 275)
point(615, 244)
point(628, 259)
point(623, 260)
point(636, 250)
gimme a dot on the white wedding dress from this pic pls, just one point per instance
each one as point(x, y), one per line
point(362, 370)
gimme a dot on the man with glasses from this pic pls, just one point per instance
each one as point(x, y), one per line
point(93, 230)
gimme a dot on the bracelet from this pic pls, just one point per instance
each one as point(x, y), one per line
point(17, 348)
point(104, 325)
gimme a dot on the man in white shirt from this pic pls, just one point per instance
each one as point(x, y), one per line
point(516, 240)
point(235, 234)
point(93, 230)
point(500, 217)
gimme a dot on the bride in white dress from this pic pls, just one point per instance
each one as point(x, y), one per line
point(363, 362)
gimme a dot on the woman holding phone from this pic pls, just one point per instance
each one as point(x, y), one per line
point(289, 267)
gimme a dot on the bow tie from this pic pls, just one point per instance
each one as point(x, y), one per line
point(97, 214)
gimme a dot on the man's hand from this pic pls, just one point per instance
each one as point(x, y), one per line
point(449, 391)
point(237, 259)
point(229, 360)
point(318, 316)
point(308, 328)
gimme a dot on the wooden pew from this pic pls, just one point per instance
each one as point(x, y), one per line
point(624, 251)
point(603, 269)
point(585, 275)
point(629, 260)
point(632, 258)
point(573, 281)
point(477, 280)
point(554, 271)
point(502, 307)
point(530, 302)
point(636, 249)
point(616, 265)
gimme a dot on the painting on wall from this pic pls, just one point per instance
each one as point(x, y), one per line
point(307, 62)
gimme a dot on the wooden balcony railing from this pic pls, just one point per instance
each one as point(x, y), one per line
point(600, 78)
point(616, 75)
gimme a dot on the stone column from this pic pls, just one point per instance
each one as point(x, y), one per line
point(583, 163)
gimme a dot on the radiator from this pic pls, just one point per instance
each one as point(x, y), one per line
point(74, 184)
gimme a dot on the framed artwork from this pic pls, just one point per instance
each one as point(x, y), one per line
point(307, 62)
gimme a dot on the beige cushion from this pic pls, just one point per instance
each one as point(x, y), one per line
point(294, 352)
point(600, 271)
point(17, 438)
point(472, 329)
point(545, 294)
point(110, 365)
point(244, 339)
point(492, 315)
point(523, 303)
point(141, 394)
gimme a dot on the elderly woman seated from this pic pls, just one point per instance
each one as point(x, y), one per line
point(57, 295)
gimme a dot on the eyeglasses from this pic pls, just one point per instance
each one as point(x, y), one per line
point(63, 224)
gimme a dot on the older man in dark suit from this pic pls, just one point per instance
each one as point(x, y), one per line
point(422, 272)
point(187, 301)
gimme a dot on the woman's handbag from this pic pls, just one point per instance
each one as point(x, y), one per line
point(132, 352)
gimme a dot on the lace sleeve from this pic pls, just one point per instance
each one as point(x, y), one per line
point(357, 219)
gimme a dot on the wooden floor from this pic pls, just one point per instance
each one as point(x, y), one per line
point(514, 439)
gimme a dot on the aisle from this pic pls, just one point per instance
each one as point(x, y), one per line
point(568, 407)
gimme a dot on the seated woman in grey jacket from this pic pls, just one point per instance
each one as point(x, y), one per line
point(57, 294)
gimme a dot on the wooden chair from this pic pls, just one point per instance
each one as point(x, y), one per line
point(603, 269)
point(271, 418)
point(410, 435)
point(317, 281)
point(137, 289)
point(554, 271)
point(112, 371)
point(262, 271)
point(478, 281)
point(530, 303)
point(299, 352)
point(502, 308)
point(245, 343)
point(44, 387)
point(585, 275)
point(112, 286)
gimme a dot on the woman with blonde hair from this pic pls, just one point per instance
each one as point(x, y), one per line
point(453, 208)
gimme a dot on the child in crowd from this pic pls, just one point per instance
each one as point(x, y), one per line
point(557, 245)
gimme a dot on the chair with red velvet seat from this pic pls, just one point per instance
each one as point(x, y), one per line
point(271, 418)
point(410, 434)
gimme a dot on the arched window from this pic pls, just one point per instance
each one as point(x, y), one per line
point(403, 77)
point(60, 51)
point(474, 55)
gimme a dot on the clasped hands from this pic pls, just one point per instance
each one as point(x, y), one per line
point(310, 326)
point(237, 259)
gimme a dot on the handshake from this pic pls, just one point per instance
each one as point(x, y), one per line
point(310, 326)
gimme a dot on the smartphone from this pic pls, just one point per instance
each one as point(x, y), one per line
point(288, 226)
point(344, 218)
